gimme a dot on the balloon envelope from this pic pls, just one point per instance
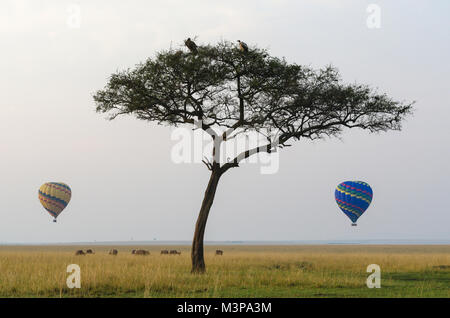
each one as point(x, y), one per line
point(54, 197)
point(353, 198)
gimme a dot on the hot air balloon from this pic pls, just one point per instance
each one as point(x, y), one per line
point(54, 197)
point(353, 198)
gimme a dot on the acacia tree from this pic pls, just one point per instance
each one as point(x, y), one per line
point(230, 92)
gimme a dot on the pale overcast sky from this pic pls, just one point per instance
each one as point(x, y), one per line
point(125, 184)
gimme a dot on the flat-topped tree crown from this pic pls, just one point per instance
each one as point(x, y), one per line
point(240, 90)
point(221, 86)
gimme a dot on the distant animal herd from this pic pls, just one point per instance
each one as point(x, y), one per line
point(139, 252)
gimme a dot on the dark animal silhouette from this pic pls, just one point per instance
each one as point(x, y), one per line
point(174, 252)
point(219, 252)
point(191, 46)
point(133, 252)
point(242, 46)
point(141, 252)
point(164, 252)
point(89, 251)
point(113, 252)
point(79, 252)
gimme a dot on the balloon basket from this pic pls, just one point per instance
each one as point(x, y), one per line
point(54, 220)
point(353, 224)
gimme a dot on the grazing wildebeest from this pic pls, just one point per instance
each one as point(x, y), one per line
point(174, 252)
point(219, 252)
point(113, 252)
point(141, 252)
point(89, 251)
point(133, 252)
point(79, 252)
point(164, 252)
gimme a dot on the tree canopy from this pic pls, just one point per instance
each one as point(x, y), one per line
point(224, 87)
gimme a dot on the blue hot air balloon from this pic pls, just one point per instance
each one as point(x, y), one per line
point(353, 198)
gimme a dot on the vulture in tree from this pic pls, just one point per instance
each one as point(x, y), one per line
point(191, 45)
point(242, 46)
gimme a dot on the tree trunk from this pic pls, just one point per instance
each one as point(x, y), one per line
point(198, 262)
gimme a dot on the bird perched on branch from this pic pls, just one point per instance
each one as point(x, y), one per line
point(191, 45)
point(242, 46)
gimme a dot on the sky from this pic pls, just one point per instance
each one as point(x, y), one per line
point(126, 186)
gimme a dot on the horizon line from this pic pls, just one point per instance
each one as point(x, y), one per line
point(244, 242)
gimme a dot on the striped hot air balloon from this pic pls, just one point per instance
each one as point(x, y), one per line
point(54, 197)
point(353, 198)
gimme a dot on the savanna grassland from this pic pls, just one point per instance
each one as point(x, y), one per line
point(243, 271)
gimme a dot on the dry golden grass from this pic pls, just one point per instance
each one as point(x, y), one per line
point(243, 271)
